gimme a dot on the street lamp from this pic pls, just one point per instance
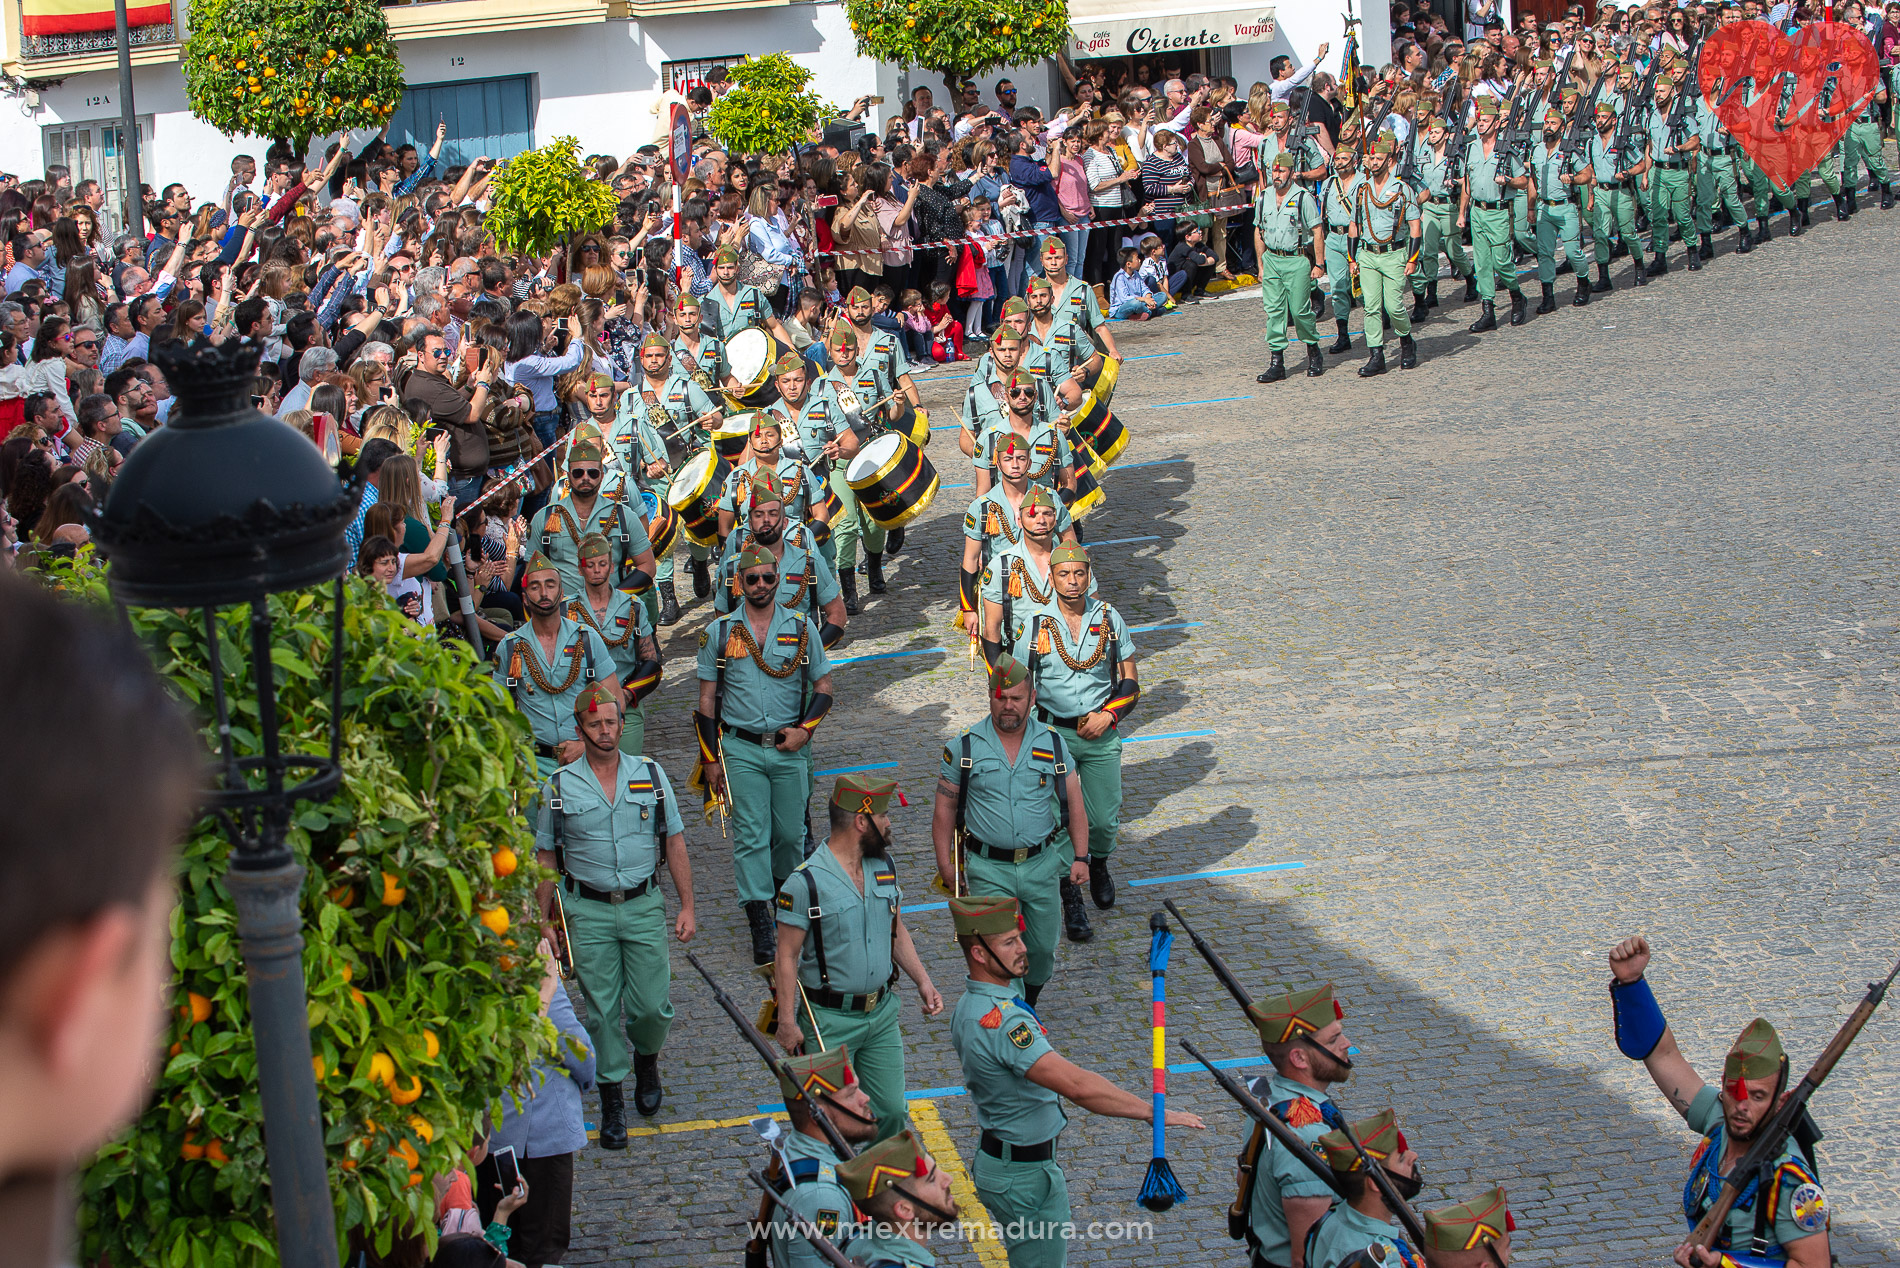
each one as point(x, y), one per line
point(225, 505)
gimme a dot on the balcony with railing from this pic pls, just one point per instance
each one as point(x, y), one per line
point(60, 37)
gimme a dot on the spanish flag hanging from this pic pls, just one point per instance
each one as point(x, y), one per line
point(41, 18)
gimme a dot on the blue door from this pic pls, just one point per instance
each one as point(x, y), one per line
point(485, 116)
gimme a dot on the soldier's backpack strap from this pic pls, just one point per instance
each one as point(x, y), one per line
point(963, 781)
point(1062, 779)
point(1312, 1232)
point(659, 802)
point(814, 916)
point(559, 816)
point(510, 659)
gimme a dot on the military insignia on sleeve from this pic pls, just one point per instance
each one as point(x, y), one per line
point(991, 1020)
point(947, 754)
point(784, 901)
point(1303, 1113)
point(702, 638)
point(1809, 1208)
point(969, 521)
point(1021, 1035)
point(986, 576)
point(826, 1222)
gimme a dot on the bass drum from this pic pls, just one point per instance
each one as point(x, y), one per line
point(694, 497)
point(914, 425)
point(663, 527)
point(894, 482)
point(1105, 434)
point(731, 436)
point(751, 353)
point(1102, 382)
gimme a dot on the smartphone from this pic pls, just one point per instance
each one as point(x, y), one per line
point(877, 101)
point(561, 327)
point(827, 200)
point(507, 1169)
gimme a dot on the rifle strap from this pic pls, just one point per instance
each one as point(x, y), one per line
point(1240, 1214)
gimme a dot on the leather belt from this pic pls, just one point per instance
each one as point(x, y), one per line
point(606, 895)
point(543, 750)
point(1067, 724)
point(996, 1147)
point(850, 1003)
point(1674, 165)
point(1439, 202)
point(1489, 205)
point(1388, 249)
point(1556, 202)
point(753, 737)
point(998, 854)
point(1278, 251)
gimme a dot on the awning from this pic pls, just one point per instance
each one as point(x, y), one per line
point(1118, 28)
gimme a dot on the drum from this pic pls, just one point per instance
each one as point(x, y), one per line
point(1102, 381)
point(1103, 432)
point(914, 426)
point(751, 354)
point(663, 529)
point(894, 482)
point(820, 516)
point(1087, 496)
point(732, 435)
point(694, 497)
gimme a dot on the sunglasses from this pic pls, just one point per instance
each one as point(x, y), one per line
point(1023, 393)
point(437, 352)
point(90, 343)
point(762, 579)
point(583, 473)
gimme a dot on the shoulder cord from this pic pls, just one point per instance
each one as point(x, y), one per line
point(1078, 666)
point(533, 660)
point(1028, 579)
point(582, 611)
point(1367, 196)
point(798, 596)
point(743, 632)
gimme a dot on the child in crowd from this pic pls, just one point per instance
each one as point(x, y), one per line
point(946, 332)
point(1129, 295)
point(976, 297)
point(1154, 267)
point(379, 560)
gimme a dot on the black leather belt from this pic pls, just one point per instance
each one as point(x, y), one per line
point(850, 1003)
point(1278, 251)
point(1067, 724)
point(1489, 205)
point(753, 737)
point(1388, 249)
point(1556, 202)
point(1439, 202)
point(998, 854)
point(1673, 164)
point(996, 1147)
point(607, 895)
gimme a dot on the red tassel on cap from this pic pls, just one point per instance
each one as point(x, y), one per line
point(1510, 1222)
point(1339, 1014)
point(902, 800)
point(920, 1170)
point(1738, 1091)
point(1402, 1145)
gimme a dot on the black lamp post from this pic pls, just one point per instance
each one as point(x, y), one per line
point(224, 505)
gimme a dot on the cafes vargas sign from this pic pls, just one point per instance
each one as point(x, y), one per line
point(1170, 32)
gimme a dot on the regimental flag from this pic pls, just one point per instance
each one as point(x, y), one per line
point(41, 18)
point(1349, 76)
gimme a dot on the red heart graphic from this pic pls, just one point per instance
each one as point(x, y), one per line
point(1787, 100)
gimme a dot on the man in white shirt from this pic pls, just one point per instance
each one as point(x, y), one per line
point(1286, 79)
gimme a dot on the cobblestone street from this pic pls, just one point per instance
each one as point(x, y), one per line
point(1459, 675)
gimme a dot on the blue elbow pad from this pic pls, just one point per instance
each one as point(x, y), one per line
point(1639, 1019)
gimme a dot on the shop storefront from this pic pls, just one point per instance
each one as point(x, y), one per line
point(1142, 42)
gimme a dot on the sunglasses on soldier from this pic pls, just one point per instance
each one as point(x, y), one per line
point(761, 578)
point(583, 473)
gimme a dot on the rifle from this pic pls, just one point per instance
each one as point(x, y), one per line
point(1303, 127)
point(773, 1063)
point(1372, 120)
point(1627, 125)
point(1459, 140)
point(1283, 1135)
point(1583, 123)
point(1512, 132)
point(803, 1227)
point(1774, 1134)
point(1679, 108)
point(563, 947)
point(1213, 959)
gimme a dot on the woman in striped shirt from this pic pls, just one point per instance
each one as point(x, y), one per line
point(1166, 181)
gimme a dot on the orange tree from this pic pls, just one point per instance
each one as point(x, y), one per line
point(956, 38)
point(419, 954)
point(291, 70)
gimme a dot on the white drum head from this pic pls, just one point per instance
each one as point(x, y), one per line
point(748, 352)
point(690, 478)
point(872, 457)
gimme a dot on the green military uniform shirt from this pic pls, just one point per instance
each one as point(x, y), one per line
point(1285, 222)
point(884, 352)
point(1077, 299)
point(815, 1197)
point(1279, 1175)
point(1548, 165)
point(1717, 140)
point(1049, 452)
point(632, 442)
point(1485, 174)
point(1059, 351)
point(1336, 200)
point(1384, 214)
point(612, 838)
point(998, 1037)
point(1797, 1207)
point(1068, 692)
point(805, 581)
point(707, 357)
point(736, 497)
point(1306, 156)
point(994, 522)
point(558, 528)
point(745, 308)
point(543, 692)
point(1033, 592)
point(755, 700)
point(855, 928)
point(984, 407)
point(682, 400)
point(1602, 157)
point(869, 385)
point(621, 627)
point(1009, 806)
point(1432, 172)
point(1662, 137)
point(814, 424)
point(1343, 1232)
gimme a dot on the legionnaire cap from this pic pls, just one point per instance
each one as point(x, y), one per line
point(755, 556)
point(817, 1073)
point(767, 488)
point(1036, 284)
point(1756, 1055)
point(1037, 496)
point(726, 255)
point(790, 363)
point(759, 418)
point(842, 336)
point(1386, 143)
point(1283, 1018)
point(1284, 159)
point(883, 1165)
point(1605, 107)
point(1014, 307)
point(1051, 245)
point(1008, 334)
point(862, 795)
point(1379, 1135)
point(1469, 1225)
point(1488, 105)
point(586, 449)
point(687, 303)
point(595, 545)
point(1007, 672)
point(1553, 115)
point(1069, 553)
point(1002, 442)
point(858, 295)
point(980, 914)
point(656, 340)
point(539, 562)
point(590, 700)
point(601, 378)
point(1279, 107)
point(1541, 63)
point(1021, 378)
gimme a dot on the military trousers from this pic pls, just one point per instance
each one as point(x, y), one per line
point(1441, 234)
point(1286, 286)
point(1717, 181)
point(1862, 145)
point(769, 791)
point(1033, 884)
point(1523, 223)
point(877, 1052)
point(1098, 763)
point(1382, 280)
point(852, 525)
point(1491, 244)
point(1767, 192)
point(1339, 273)
point(1669, 199)
point(1828, 169)
point(1613, 214)
point(1029, 1201)
point(1558, 225)
point(620, 956)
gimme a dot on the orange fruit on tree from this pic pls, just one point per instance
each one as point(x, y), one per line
point(505, 861)
point(407, 1152)
point(496, 919)
point(393, 892)
point(197, 1007)
point(316, 1066)
point(420, 1126)
point(430, 1044)
point(382, 1070)
point(214, 1151)
point(190, 1150)
point(175, 1049)
point(343, 896)
point(407, 1095)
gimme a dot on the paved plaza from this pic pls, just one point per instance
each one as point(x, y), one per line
point(1459, 675)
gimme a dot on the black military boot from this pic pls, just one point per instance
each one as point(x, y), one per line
point(1519, 313)
point(1658, 266)
point(1418, 306)
point(1695, 256)
point(646, 1084)
point(613, 1117)
point(1762, 232)
point(1315, 363)
point(1344, 342)
point(1431, 294)
point(758, 915)
point(1801, 205)
point(1794, 223)
point(702, 578)
point(1602, 283)
point(1275, 371)
point(1408, 353)
point(1549, 303)
point(669, 604)
point(1375, 364)
point(848, 582)
point(1742, 240)
point(1845, 204)
point(1619, 249)
point(1471, 286)
point(1487, 319)
point(1075, 917)
point(1886, 197)
point(1640, 273)
point(893, 542)
point(1583, 292)
point(1101, 884)
point(1707, 247)
point(874, 570)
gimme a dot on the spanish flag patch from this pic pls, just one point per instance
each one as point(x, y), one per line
point(884, 878)
point(788, 640)
point(639, 785)
point(1043, 754)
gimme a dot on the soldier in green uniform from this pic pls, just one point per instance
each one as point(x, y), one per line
point(1361, 1220)
point(1485, 206)
point(806, 1176)
point(1019, 584)
point(558, 527)
point(671, 400)
point(1783, 1214)
point(842, 942)
point(1671, 155)
point(1009, 818)
point(544, 664)
point(881, 353)
point(906, 1201)
point(1613, 197)
point(1386, 236)
point(1337, 195)
point(631, 446)
point(1303, 1035)
point(1051, 460)
point(1523, 221)
point(987, 401)
point(1718, 176)
point(1474, 1234)
point(815, 427)
point(994, 522)
point(736, 306)
point(1057, 349)
point(1074, 296)
point(1438, 209)
point(605, 821)
point(1286, 220)
point(1017, 1082)
point(696, 350)
point(1861, 145)
point(764, 455)
point(624, 626)
point(1558, 182)
point(806, 584)
point(764, 686)
point(868, 386)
